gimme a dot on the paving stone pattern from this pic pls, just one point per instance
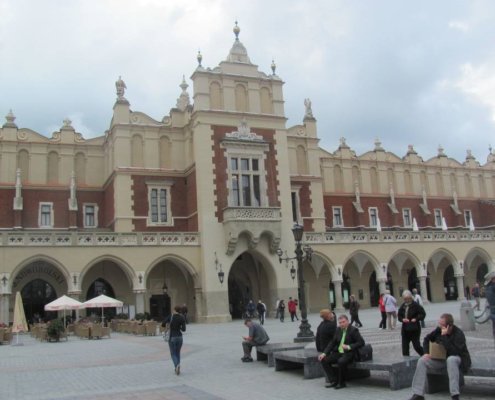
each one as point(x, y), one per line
point(128, 367)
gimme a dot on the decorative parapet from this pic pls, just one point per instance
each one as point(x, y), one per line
point(56, 238)
point(396, 236)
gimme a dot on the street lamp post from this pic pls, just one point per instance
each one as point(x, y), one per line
point(305, 334)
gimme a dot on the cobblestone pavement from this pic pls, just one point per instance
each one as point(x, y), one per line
point(128, 367)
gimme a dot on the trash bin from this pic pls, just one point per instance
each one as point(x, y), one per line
point(467, 317)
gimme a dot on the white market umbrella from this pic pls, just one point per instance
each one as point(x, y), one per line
point(63, 303)
point(415, 225)
point(102, 302)
point(20, 323)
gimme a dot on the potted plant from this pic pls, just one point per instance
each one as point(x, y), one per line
point(55, 329)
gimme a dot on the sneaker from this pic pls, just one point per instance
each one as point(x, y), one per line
point(247, 359)
point(455, 397)
point(330, 384)
point(417, 397)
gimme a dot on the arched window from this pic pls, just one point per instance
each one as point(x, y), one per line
point(23, 164)
point(137, 151)
point(80, 168)
point(241, 101)
point(165, 152)
point(35, 295)
point(52, 167)
point(266, 101)
point(302, 160)
point(216, 102)
point(338, 178)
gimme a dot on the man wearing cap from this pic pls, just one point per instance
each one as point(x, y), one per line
point(490, 297)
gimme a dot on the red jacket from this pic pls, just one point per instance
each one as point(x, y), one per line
point(381, 304)
point(292, 306)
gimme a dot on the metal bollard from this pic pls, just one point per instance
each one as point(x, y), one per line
point(467, 317)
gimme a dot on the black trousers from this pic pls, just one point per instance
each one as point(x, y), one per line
point(355, 318)
point(411, 337)
point(383, 322)
point(335, 365)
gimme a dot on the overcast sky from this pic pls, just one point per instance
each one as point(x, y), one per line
point(406, 72)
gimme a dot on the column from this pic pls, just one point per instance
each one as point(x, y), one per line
point(423, 289)
point(339, 305)
point(198, 303)
point(4, 308)
point(382, 284)
point(460, 287)
point(139, 301)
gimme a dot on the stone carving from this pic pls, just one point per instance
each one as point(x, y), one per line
point(72, 198)
point(67, 124)
point(343, 143)
point(121, 87)
point(183, 102)
point(18, 188)
point(244, 133)
point(10, 118)
point(308, 112)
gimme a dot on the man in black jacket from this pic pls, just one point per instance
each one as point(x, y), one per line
point(457, 357)
point(326, 330)
point(340, 352)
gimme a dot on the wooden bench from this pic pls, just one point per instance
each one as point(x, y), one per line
point(294, 359)
point(482, 365)
point(265, 352)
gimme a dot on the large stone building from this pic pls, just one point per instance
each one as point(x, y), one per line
point(152, 211)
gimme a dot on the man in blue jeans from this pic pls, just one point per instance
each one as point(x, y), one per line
point(257, 336)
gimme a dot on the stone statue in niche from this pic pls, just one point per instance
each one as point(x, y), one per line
point(121, 87)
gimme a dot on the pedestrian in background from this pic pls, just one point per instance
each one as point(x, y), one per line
point(277, 315)
point(292, 306)
point(354, 311)
point(391, 309)
point(490, 297)
point(281, 310)
point(381, 307)
point(176, 324)
point(418, 299)
point(261, 308)
point(476, 295)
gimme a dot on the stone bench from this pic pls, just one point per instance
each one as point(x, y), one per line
point(294, 359)
point(401, 371)
point(482, 365)
point(265, 353)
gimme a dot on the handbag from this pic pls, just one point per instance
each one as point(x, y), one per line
point(364, 353)
point(437, 351)
point(166, 335)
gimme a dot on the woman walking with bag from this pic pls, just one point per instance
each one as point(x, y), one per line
point(176, 325)
point(354, 311)
point(410, 314)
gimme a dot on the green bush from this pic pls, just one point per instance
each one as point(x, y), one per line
point(143, 316)
point(121, 316)
point(55, 328)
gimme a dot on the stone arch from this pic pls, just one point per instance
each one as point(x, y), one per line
point(170, 280)
point(439, 264)
point(356, 270)
point(241, 98)
point(52, 167)
point(216, 96)
point(403, 255)
point(124, 266)
point(137, 151)
point(476, 259)
point(251, 276)
point(31, 260)
point(266, 101)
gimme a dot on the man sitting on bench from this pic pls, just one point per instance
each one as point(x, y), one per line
point(456, 357)
point(340, 351)
point(257, 336)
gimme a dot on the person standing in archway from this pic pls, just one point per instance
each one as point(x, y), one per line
point(281, 310)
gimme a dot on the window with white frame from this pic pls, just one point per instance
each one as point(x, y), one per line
point(45, 216)
point(338, 220)
point(90, 215)
point(159, 201)
point(245, 175)
point(296, 211)
point(406, 217)
point(373, 214)
point(468, 217)
point(438, 217)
